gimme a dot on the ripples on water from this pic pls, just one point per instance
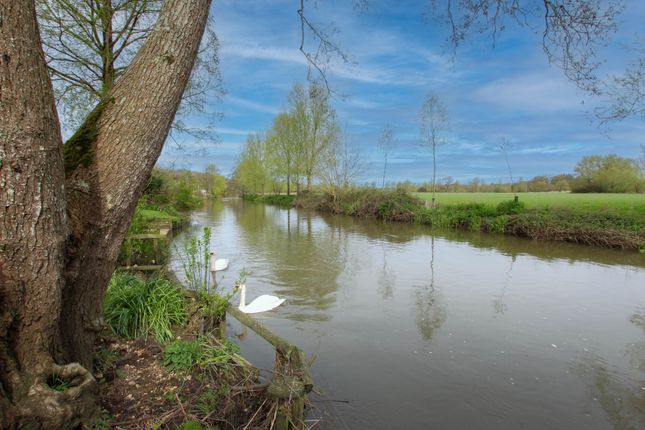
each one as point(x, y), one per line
point(452, 330)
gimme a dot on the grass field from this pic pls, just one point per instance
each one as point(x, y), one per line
point(155, 215)
point(628, 204)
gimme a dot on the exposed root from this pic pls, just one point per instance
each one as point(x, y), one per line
point(46, 408)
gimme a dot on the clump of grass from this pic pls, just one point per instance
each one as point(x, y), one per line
point(181, 355)
point(134, 307)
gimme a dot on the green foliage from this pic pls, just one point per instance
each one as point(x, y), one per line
point(183, 195)
point(134, 307)
point(631, 205)
point(103, 422)
point(608, 174)
point(511, 207)
point(155, 185)
point(214, 305)
point(282, 200)
point(195, 425)
point(389, 205)
point(585, 219)
point(78, 149)
point(56, 383)
point(209, 401)
point(181, 355)
point(195, 262)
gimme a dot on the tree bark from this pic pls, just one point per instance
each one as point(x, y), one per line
point(62, 220)
point(32, 235)
point(130, 133)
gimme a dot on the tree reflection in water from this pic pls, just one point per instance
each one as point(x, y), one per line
point(621, 396)
point(430, 313)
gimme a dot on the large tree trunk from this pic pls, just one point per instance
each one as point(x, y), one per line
point(131, 128)
point(62, 222)
point(32, 235)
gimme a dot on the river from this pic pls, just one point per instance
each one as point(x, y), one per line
point(410, 328)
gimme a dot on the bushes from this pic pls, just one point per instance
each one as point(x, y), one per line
point(510, 207)
point(283, 200)
point(134, 307)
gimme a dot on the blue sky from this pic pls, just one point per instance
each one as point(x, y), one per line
point(506, 91)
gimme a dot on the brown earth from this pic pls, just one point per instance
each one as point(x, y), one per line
point(138, 392)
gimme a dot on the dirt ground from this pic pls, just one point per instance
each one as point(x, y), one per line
point(137, 392)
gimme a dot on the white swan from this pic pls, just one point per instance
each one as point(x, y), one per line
point(260, 304)
point(219, 264)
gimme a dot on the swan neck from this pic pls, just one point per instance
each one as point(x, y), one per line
point(242, 295)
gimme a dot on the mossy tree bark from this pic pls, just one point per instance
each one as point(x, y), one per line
point(61, 226)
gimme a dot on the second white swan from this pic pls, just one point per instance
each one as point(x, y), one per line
point(260, 304)
point(218, 264)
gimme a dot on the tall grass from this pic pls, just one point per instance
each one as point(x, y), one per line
point(134, 307)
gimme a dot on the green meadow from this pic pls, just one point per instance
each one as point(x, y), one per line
point(625, 204)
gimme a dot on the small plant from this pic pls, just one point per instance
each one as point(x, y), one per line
point(134, 307)
point(208, 401)
point(56, 383)
point(181, 356)
point(195, 262)
point(194, 425)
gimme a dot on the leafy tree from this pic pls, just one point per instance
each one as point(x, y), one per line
point(215, 183)
point(251, 172)
point(608, 174)
point(285, 147)
point(315, 124)
point(433, 125)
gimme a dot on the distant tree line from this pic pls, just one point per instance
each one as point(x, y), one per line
point(593, 174)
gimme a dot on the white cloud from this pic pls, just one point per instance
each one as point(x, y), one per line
point(249, 104)
point(535, 93)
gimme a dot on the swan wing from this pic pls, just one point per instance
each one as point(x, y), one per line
point(220, 264)
point(262, 304)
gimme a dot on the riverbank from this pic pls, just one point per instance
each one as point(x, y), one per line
point(601, 228)
point(162, 365)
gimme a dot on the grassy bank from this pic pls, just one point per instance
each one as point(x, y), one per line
point(623, 227)
point(160, 366)
point(272, 199)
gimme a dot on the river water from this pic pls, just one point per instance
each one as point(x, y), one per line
point(410, 328)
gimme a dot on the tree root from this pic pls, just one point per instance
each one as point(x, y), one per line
point(76, 405)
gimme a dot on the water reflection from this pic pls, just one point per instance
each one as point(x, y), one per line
point(386, 277)
point(498, 299)
point(304, 260)
point(621, 394)
point(399, 317)
point(430, 314)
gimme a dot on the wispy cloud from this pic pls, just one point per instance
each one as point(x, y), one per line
point(252, 105)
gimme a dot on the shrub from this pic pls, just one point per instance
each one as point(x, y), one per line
point(510, 207)
point(134, 307)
